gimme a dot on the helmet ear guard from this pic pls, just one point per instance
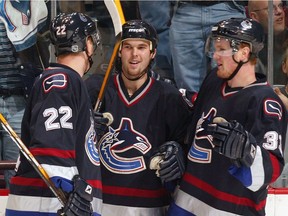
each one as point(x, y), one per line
point(69, 32)
point(96, 38)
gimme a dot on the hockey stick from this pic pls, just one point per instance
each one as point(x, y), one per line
point(116, 13)
point(31, 159)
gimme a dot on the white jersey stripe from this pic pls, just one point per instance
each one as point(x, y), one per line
point(257, 171)
point(109, 210)
point(199, 208)
point(65, 172)
point(31, 203)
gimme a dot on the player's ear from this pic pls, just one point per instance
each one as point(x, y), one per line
point(245, 53)
point(89, 46)
point(119, 50)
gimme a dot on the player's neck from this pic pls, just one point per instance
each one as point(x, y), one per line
point(243, 78)
point(133, 86)
point(73, 61)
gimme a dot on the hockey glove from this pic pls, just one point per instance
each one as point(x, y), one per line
point(189, 96)
point(157, 76)
point(79, 200)
point(102, 121)
point(168, 161)
point(233, 141)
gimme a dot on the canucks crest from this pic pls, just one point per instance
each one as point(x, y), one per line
point(122, 150)
point(197, 153)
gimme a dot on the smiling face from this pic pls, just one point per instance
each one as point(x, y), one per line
point(135, 57)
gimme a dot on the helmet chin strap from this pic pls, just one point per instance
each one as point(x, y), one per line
point(137, 78)
point(90, 61)
point(236, 69)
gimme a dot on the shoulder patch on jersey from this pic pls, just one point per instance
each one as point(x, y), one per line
point(55, 81)
point(273, 108)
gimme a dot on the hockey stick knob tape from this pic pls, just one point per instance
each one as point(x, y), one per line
point(109, 117)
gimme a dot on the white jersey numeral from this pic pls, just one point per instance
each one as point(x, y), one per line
point(67, 114)
point(51, 123)
point(271, 140)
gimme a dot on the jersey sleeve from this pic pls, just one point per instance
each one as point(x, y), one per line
point(272, 142)
point(269, 128)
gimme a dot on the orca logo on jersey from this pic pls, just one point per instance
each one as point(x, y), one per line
point(273, 108)
point(201, 149)
point(24, 7)
point(121, 150)
point(90, 143)
point(54, 81)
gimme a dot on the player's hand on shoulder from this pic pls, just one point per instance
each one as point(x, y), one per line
point(168, 161)
point(79, 200)
point(233, 141)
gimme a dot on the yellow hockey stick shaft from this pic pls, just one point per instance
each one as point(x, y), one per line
point(36, 165)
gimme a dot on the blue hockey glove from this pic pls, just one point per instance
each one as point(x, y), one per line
point(233, 141)
point(168, 161)
point(79, 200)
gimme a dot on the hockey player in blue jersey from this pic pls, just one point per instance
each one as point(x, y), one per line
point(58, 129)
point(150, 116)
point(237, 134)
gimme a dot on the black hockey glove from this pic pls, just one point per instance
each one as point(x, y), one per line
point(189, 96)
point(233, 141)
point(79, 200)
point(168, 161)
point(157, 76)
point(102, 121)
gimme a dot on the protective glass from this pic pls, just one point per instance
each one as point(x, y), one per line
point(215, 45)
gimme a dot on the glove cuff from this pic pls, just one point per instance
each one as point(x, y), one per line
point(249, 151)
